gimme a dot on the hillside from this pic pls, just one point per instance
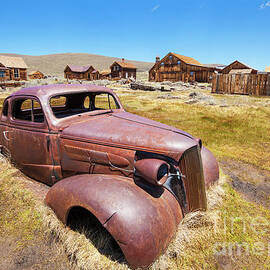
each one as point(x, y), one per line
point(54, 64)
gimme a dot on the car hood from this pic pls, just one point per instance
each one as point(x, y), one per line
point(129, 131)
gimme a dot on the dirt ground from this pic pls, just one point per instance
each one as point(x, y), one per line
point(252, 182)
point(41, 254)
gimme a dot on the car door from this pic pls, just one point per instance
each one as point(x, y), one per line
point(5, 129)
point(29, 141)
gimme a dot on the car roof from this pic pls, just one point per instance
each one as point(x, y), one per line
point(58, 89)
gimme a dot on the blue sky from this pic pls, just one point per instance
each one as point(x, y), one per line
point(211, 31)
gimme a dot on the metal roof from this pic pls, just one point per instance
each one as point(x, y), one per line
point(187, 60)
point(76, 68)
point(124, 65)
point(12, 62)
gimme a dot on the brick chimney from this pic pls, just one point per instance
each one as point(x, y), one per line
point(157, 59)
point(123, 60)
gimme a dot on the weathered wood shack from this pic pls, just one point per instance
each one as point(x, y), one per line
point(236, 67)
point(175, 67)
point(36, 75)
point(123, 70)
point(12, 69)
point(75, 72)
point(105, 74)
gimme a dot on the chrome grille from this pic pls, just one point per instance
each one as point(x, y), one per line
point(191, 167)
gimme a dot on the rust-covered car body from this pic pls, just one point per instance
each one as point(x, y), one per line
point(138, 177)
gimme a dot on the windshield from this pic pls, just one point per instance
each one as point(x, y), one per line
point(77, 103)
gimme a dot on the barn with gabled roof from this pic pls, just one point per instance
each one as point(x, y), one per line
point(75, 72)
point(123, 70)
point(238, 67)
point(175, 67)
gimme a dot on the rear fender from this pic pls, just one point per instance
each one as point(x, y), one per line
point(141, 218)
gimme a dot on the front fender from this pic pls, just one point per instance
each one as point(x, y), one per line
point(210, 167)
point(142, 219)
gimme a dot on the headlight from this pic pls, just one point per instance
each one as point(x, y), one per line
point(154, 171)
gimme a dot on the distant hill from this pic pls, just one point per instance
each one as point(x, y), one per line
point(54, 64)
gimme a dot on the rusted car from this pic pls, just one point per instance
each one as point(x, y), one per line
point(138, 177)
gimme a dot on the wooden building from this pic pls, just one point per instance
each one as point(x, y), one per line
point(238, 68)
point(105, 74)
point(36, 75)
point(175, 67)
point(74, 72)
point(267, 69)
point(12, 69)
point(123, 70)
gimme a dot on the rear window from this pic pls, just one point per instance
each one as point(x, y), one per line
point(79, 103)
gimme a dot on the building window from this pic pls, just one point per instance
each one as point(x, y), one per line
point(191, 73)
point(170, 57)
point(16, 73)
point(162, 64)
point(2, 74)
point(179, 62)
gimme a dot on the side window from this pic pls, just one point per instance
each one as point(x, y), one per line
point(105, 102)
point(5, 109)
point(27, 110)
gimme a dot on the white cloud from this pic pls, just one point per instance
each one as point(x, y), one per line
point(158, 6)
point(265, 5)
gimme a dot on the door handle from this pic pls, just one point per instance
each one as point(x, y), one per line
point(5, 135)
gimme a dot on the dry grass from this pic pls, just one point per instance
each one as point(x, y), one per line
point(23, 238)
